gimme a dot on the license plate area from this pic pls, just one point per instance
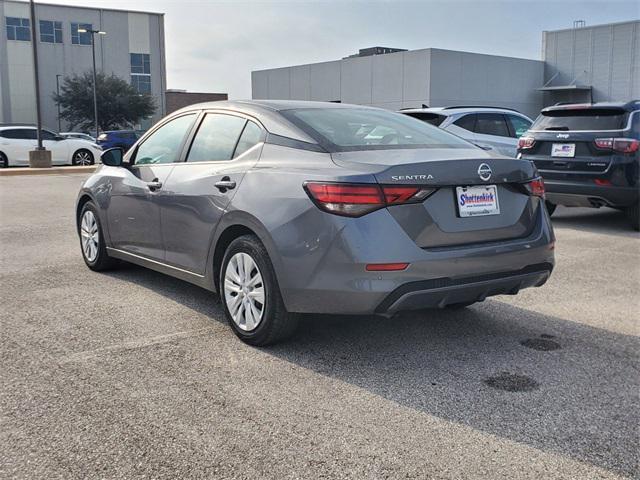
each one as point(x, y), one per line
point(477, 201)
point(565, 150)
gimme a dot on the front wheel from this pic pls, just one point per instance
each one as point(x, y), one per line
point(251, 296)
point(82, 157)
point(633, 214)
point(551, 207)
point(4, 161)
point(94, 250)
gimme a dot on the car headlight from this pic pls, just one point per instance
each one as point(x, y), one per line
point(96, 146)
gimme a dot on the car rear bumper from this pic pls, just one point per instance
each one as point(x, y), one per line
point(435, 278)
point(440, 292)
point(583, 194)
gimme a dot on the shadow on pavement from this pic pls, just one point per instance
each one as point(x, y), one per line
point(580, 400)
point(596, 220)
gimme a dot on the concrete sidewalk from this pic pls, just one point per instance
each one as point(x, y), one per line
point(8, 172)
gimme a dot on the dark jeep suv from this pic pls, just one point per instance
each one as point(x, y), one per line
point(588, 155)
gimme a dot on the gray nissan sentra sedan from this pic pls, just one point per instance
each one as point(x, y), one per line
point(290, 207)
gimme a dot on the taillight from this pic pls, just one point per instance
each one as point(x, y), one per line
point(524, 143)
point(535, 187)
point(357, 199)
point(622, 145)
point(626, 145)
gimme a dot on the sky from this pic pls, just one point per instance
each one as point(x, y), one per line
point(212, 46)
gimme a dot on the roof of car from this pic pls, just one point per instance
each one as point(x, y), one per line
point(16, 125)
point(631, 106)
point(270, 105)
point(446, 111)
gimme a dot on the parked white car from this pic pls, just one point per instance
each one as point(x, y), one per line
point(17, 140)
point(492, 128)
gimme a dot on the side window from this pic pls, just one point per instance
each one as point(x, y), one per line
point(251, 135)
point(635, 125)
point(519, 125)
point(492, 124)
point(15, 133)
point(47, 135)
point(216, 138)
point(164, 145)
point(467, 122)
point(26, 133)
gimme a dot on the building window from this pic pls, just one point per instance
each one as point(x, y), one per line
point(141, 72)
point(18, 29)
point(78, 38)
point(50, 32)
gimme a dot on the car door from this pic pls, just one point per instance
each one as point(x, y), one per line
point(16, 143)
point(224, 147)
point(134, 211)
point(59, 147)
point(491, 129)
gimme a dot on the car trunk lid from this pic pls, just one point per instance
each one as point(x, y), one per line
point(439, 220)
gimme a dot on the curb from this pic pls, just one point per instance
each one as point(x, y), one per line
point(9, 172)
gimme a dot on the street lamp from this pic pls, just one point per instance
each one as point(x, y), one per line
point(93, 51)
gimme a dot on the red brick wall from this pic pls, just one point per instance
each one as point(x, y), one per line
point(177, 100)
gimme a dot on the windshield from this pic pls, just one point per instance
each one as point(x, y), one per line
point(587, 119)
point(347, 129)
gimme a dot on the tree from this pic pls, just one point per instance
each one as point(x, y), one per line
point(119, 104)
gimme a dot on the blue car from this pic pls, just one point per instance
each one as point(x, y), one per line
point(117, 138)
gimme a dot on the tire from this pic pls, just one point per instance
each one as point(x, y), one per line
point(97, 258)
point(272, 323)
point(633, 214)
point(4, 161)
point(551, 207)
point(82, 157)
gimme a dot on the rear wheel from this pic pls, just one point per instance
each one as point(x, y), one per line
point(94, 251)
point(4, 161)
point(82, 157)
point(551, 207)
point(633, 214)
point(251, 296)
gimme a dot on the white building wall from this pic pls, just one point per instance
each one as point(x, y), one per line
point(606, 57)
point(410, 79)
point(127, 32)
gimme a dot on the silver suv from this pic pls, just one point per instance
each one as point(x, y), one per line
point(488, 127)
point(308, 207)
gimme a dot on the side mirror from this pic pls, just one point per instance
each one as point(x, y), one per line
point(57, 138)
point(112, 157)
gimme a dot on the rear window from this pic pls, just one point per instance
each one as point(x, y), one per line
point(348, 129)
point(587, 119)
point(431, 118)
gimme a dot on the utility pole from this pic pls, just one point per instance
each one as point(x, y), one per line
point(40, 157)
point(58, 93)
point(34, 47)
point(95, 87)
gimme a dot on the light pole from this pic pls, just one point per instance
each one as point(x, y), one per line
point(95, 88)
point(58, 94)
point(40, 157)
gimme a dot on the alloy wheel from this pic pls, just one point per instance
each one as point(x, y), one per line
point(244, 291)
point(83, 158)
point(90, 236)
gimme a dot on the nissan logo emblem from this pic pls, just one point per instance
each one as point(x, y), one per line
point(484, 172)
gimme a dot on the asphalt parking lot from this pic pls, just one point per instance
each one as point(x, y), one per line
point(133, 374)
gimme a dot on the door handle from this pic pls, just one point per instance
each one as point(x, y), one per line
point(225, 184)
point(154, 185)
